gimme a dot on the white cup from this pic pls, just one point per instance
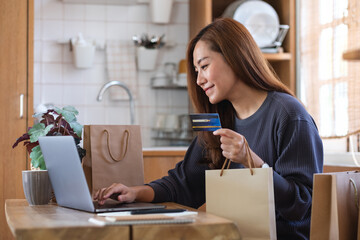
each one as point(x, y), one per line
point(161, 10)
point(160, 121)
point(182, 80)
point(172, 122)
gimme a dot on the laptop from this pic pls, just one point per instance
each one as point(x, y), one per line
point(68, 179)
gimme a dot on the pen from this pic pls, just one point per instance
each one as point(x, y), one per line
point(162, 210)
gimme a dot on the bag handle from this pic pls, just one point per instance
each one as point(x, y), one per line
point(248, 156)
point(356, 192)
point(108, 145)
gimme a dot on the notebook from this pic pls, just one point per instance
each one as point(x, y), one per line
point(126, 218)
point(136, 220)
point(68, 179)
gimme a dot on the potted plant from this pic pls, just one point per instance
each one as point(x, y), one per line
point(54, 122)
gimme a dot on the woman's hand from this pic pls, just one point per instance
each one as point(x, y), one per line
point(116, 191)
point(233, 147)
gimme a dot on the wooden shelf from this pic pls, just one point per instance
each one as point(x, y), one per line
point(170, 87)
point(352, 55)
point(277, 56)
point(202, 12)
point(112, 2)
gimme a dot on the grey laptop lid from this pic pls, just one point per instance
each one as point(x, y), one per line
point(68, 179)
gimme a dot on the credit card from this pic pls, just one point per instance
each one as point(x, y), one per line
point(205, 121)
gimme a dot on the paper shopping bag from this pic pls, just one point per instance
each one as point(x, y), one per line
point(358, 228)
point(334, 213)
point(113, 155)
point(245, 198)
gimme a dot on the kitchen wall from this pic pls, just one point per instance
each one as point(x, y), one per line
point(58, 82)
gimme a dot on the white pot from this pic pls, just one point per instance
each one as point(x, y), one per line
point(146, 58)
point(161, 10)
point(84, 55)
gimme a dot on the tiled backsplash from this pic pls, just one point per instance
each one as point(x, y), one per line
point(57, 81)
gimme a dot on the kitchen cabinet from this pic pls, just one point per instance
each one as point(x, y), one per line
point(202, 12)
point(16, 94)
point(158, 161)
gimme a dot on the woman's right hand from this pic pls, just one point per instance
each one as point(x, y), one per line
point(121, 192)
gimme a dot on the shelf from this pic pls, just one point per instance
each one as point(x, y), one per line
point(165, 83)
point(277, 56)
point(114, 2)
point(352, 55)
point(111, 2)
point(169, 87)
point(203, 12)
point(177, 134)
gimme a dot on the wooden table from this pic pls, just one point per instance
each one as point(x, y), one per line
point(54, 222)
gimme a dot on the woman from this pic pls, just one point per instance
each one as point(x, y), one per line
point(228, 74)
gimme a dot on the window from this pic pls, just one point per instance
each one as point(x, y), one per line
point(329, 85)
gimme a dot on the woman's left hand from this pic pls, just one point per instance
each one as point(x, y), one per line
point(233, 147)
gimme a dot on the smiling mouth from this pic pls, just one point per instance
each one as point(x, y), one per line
point(206, 89)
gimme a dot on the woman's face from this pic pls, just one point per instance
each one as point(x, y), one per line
point(214, 75)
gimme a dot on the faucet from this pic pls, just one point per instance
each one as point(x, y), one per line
point(122, 85)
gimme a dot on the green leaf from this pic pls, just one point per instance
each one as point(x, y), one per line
point(68, 112)
point(38, 115)
point(39, 130)
point(37, 158)
point(77, 127)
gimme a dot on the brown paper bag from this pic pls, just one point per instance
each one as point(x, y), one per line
point(113, 155)
point(334, 213)
point(358, 228)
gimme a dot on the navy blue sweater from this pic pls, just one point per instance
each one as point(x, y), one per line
point(283, 135)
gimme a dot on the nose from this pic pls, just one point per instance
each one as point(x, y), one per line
point(200, 80)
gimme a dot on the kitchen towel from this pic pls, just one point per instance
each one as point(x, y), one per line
point(121, 66)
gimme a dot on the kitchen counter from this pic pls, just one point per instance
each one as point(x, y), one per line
point(165, 151)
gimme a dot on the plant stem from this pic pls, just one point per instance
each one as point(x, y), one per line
point(59, 124)
point(65, 128)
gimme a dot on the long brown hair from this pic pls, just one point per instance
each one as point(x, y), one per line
point(231, 39)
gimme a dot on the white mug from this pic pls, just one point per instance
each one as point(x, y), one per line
point(172, 122)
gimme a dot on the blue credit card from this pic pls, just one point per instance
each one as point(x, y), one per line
point(205, 121)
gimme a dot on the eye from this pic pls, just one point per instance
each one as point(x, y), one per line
point(203, 67)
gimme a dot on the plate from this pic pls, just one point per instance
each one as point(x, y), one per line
point(261, 19)
point(231, 8)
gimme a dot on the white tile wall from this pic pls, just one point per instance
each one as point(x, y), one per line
point(57, 81)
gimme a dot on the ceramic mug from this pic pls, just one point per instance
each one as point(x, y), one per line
point(172, 122)
point(37, 186)
point(160, 121)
